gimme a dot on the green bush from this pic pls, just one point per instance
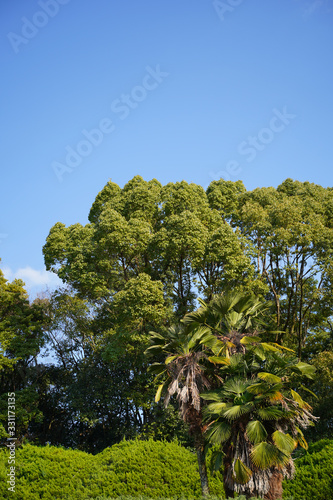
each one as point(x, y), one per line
point(133, 468)
point(314, 474)
point(210, 497)
point(143, 470)
point(152, 468)
point(50, 472)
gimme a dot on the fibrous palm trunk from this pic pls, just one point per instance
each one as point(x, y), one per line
point(194, 419)
point(275, 486)
point(202, 471)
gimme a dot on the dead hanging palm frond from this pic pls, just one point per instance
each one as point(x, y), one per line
point(183, 351)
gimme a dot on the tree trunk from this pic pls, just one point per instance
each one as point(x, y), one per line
point(275, 486)
point(194, 419)
point(202, 471)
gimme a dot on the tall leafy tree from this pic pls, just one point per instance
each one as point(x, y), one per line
point(99, 392)
point(168, 232)
point(22, 336)
point(290, 233)
point(150, 251)
point(140, 263)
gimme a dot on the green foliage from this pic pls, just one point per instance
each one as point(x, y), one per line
point(225, 196)
point(291, 234)
point(22, 335)
point(144, 470)
point(21, 332)
point(148, 253)
point(209, 497)
point(136, 468)
point(170, 233)
point(322, 387)
point(314, 473)
point(152, 468)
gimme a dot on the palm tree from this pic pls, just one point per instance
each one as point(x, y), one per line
point(186, 374)
point(187, 355)
point(254, 412)
point(230, 317)
point(256, 417)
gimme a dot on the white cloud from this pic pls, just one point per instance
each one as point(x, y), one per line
point(33, 277)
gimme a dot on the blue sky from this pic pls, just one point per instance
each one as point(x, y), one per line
point(174, 89)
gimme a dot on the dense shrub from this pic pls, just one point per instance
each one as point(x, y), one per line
point(314, 473)
point(50, 472)
point(143, 470)
point(152, 468)
point(210, 497)
point(149, 468)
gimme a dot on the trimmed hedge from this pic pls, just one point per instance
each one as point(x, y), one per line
point(50, 472)
point(143, 470)
point(150, 468)
point(314, 473)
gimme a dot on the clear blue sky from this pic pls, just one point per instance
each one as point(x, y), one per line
point(182, 89)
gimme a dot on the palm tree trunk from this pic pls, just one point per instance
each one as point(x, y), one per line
point(275, 486)
point(202, 471)
point(194, 420)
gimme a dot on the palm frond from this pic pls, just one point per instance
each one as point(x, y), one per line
point(217, 459)
point(242, 473)
point(156, 368)
point(281, 347)
point(264, 455)
point(156, 336)
point(270, 413)
point(266, 346)
point(219, 360)
point(235, 386)
point(300, 439)
point(153, 350)
point(305, 369)
point(260, 352)
point(250, 340)
point(298, 399)
point(218, 432)
point(173, 387)
point(216, 407)
point(158, 393)
point(257, 388)
point(169, 359)
point(256, 431)
point(212, 396)
point(308, 390)
point(237, 411)
point(283, 441)
point(276, 396)
point(269, 377)
point(196, 338)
